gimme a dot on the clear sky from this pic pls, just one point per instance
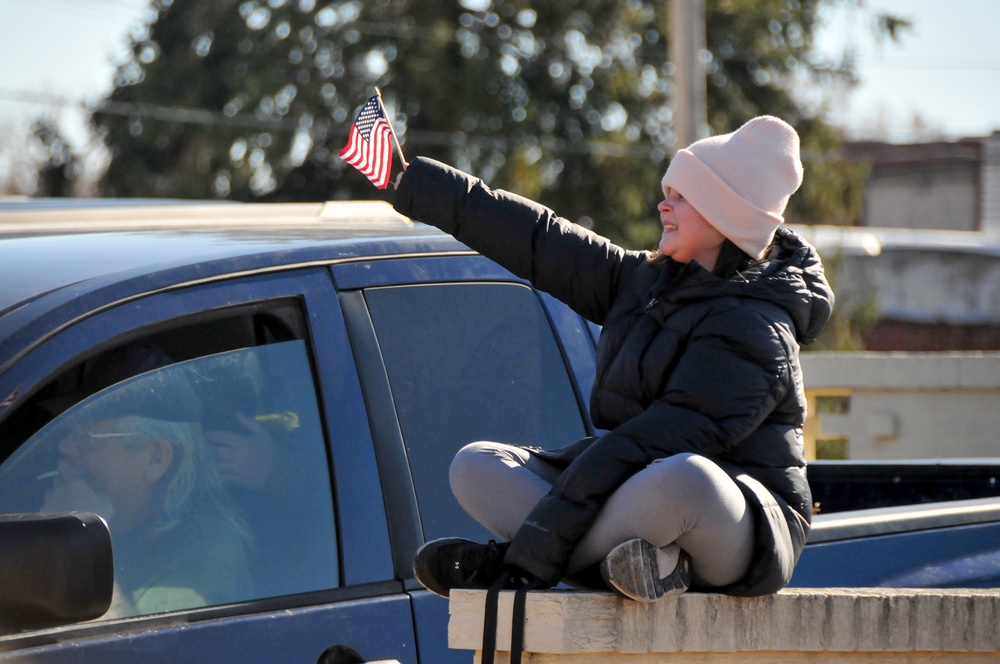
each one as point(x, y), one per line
point(947, 70)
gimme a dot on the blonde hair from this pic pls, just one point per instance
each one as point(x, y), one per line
point(192, 483)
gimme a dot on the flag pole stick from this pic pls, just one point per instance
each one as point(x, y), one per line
point(378, 93)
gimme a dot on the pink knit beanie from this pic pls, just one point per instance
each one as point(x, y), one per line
point(741, 182)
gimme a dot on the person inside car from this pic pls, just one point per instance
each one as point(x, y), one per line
point(135, 454)
point(700, 479)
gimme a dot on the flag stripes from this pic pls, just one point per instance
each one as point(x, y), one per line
point(369, 146)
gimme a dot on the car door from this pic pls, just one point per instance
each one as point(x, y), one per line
point(221, 432)
point(456, 349)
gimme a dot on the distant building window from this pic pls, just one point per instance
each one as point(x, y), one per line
point(833, 405)
point(833, 448)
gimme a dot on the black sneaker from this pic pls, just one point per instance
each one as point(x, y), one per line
point(638, 570)
point(453, 562)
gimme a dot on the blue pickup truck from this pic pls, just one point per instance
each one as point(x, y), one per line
point(312, 369)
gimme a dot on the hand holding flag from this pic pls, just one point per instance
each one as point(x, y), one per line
point(368, 147)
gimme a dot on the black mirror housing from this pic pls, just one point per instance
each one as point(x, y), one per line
point(55, 569)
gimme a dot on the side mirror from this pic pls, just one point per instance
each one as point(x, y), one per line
point(55, 569)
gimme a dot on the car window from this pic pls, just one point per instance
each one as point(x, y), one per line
point(470, 362)
point(211, 472)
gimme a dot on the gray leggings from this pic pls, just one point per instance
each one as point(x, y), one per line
point(683, 499)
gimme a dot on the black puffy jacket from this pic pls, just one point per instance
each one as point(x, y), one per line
point(687, 362)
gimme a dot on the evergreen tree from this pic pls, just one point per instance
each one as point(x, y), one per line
point(565, 102)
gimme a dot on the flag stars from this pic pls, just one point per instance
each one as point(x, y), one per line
point(368, 147)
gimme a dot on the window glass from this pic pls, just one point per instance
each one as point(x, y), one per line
point(211, 472)
point(470, 362)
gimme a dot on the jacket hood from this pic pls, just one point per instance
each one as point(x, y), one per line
point(791, 276)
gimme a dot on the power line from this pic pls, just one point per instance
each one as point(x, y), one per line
point(193, 116)
point(945, 64)
point(31, 97)
point(179, 114)
point(206, 117)
point(412, 137)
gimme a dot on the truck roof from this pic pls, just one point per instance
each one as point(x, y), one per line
point(61, 259)
point(45, 247)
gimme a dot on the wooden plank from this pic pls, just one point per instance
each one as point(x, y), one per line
point(795, 620)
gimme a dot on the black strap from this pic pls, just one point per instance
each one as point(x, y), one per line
point(509, 577)
point(490, 618)
point(517, 621)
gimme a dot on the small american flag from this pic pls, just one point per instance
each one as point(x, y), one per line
point(369, 148)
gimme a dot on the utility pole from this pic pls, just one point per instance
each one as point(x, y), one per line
point(687, 41)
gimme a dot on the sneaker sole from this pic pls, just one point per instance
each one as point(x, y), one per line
point(632, 571)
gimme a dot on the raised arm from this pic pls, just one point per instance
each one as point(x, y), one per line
point(582, 269)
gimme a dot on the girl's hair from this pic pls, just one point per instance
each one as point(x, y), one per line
point(733, 260)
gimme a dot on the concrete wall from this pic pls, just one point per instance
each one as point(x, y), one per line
point(916, 275)
point(923, 280)
point(928, 285)
point(906, 405)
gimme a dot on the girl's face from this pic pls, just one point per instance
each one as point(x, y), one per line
point(687, 236)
